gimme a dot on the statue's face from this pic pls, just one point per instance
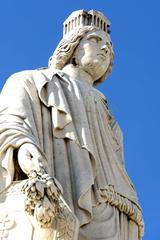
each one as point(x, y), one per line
point(93, 54)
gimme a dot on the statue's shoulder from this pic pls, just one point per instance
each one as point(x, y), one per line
point(24, 75)
point(20, 77)
point(28, 77)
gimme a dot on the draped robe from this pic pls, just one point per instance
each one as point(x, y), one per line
point(70, 124)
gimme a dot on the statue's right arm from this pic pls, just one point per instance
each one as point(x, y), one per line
point(17, 121)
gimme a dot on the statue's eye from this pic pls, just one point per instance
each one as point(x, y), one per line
point(95, 38)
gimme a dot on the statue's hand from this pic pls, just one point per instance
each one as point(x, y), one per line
point(29, 158)
point(42, 191)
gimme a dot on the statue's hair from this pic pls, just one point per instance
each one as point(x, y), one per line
point(65, 50)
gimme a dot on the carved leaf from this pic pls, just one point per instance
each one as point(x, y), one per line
point(40, 188)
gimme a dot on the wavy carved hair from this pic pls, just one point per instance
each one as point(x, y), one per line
point(65, 50)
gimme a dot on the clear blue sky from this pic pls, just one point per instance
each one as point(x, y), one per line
point(30, 31)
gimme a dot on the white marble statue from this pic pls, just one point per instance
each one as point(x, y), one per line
point(56, 130)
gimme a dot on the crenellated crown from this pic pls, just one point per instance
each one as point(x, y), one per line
point(82, 18)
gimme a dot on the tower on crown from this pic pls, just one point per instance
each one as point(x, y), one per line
point(82, 18)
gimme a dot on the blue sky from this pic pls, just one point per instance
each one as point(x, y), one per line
point(30, 31)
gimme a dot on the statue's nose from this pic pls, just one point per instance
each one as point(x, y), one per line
point(104, 47)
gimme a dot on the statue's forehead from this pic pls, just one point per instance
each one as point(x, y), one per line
point(97, 32)
point(103, 35)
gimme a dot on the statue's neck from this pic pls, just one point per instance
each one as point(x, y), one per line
point(77, 73)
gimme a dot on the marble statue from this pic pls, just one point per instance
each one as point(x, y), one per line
point(61, 151)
